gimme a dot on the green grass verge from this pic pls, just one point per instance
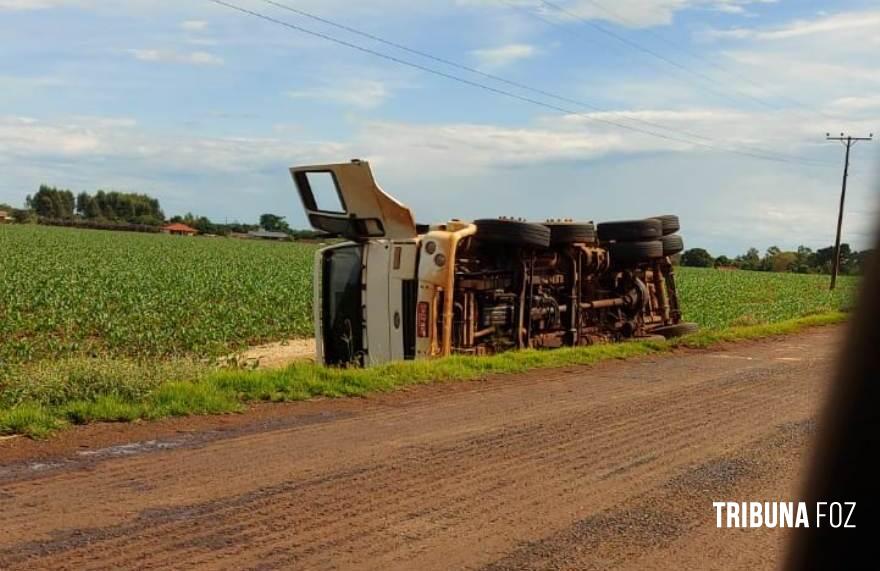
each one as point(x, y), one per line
point(211, 391)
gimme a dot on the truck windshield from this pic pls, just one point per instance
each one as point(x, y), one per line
point(343, 317)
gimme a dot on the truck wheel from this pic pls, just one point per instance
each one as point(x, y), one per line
point(631, 230)
point(669, 223)
point(571, 232)
point(634, 252)
point(513, 232)
point(677, 330)
point(672, 244)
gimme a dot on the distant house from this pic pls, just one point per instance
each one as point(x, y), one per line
point(5, 217)
point(179, 229)
point(266, 235)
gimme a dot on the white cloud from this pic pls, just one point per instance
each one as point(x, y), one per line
point(795, 67)
point(847, 25)
point(630, 13)
point(845, 22)
point(32, 4)
point(17, 82)
point(118, 139)
point(172, 56)
point(857, 104)
point(471, 146)
point(503, 55)
point(363, 94)
point(24, 136)
point(817, 61)
point(194, 25)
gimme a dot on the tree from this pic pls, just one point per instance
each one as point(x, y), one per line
point(697, 258)
point(823, 259)
point(87, 207)
point(115, 206)
point(20, 215)
point(50, 202)
point(92, 212)
point(274, 223)
point(750, 261)
point(775, 260)
point(767, 260)
point(723, 261)
point(782, 262)
point(802, 260)
point(24, 216)
point(43, 204)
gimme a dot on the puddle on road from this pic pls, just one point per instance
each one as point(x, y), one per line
point(729, 356)
point(83, 457)
point(132, 448)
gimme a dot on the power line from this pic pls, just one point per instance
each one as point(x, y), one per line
point(498, 78)
point(704, 59)
point(656, 55)
point(498, 91)
point(513, 83)
point(470, 69)
point(848, 141)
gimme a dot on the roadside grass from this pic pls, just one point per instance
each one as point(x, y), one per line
point(201, 389)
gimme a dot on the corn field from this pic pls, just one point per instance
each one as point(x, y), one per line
point(69, 292)
point(93, 293)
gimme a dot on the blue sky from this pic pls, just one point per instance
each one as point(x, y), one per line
point(205, 108)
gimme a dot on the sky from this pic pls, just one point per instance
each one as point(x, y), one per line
point(715, 110)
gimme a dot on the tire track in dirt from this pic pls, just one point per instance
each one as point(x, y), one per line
point(456, 481)
point(658, 522)
point(465, 451)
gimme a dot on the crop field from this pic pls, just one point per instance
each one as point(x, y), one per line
point(719, 298)
point(67, 292)
point(83, 292)
point(85, 314)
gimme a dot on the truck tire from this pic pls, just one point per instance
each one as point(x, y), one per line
point(513, 232)
point(677, 330)
point(571, 232)
point(631, 230)
point(633, 252)
point(669, 223)
point(672, 244)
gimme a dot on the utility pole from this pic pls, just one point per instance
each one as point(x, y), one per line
point(848, 142)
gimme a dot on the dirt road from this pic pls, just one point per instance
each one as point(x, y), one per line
point(610, 467)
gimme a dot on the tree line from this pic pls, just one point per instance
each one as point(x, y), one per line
point(126, 207)
point(802, 261)
point(112, 210)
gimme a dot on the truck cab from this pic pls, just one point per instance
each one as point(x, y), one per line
point(365, 287)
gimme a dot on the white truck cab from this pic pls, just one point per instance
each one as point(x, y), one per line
point(366, 289)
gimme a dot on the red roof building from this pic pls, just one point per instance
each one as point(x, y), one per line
point(179, 229)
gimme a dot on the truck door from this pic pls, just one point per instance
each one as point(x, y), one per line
point(344, 199)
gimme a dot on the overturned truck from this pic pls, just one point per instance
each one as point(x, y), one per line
point(398, 290)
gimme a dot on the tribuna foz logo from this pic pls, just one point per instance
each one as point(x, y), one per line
point(784, 514)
